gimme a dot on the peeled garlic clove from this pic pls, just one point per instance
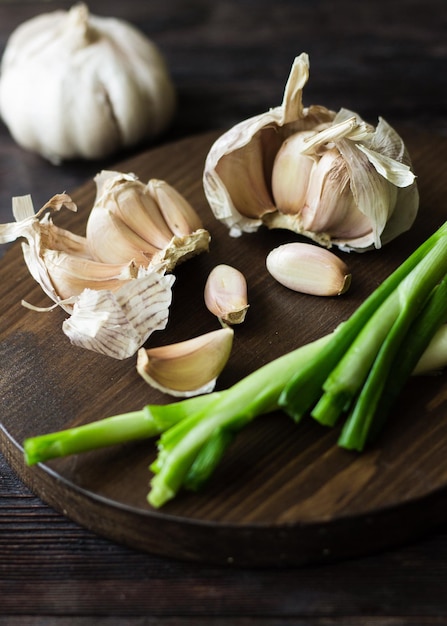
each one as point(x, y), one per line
point(328, 176)
point(309, 269)
point(187, 368)
point(118, 323)
point(127, 222)
point(226, 294)
point(77, 85)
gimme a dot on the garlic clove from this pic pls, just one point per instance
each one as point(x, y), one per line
point(116, 324)
point(290, 174)
point(309, 269)
point(329, 204)
point(177, 212)
point(127, 222)
point(124, 222)
point(328, 176)
point(71, 274)
point(252, 197)
point(226, 294)
point(110, 240)
point(148, 222)
point(187, 368)
point(189, 236)
point(55, 238)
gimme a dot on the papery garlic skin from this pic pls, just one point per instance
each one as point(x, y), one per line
point(152, 225)
point(116, 324)
point(328, 176)
point(225, 294)
point(58, 259)
point(76, 85)
point(309, 269)
point(187, 368)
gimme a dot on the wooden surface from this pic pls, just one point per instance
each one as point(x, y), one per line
point(285, 494)
point(229, 60)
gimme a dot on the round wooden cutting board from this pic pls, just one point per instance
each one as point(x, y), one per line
point(284, 494)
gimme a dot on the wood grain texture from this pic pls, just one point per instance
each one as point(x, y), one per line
point(284, 494)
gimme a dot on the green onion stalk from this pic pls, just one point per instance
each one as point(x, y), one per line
point(383, 386)
point(110, 431)
point(303, 391)
point(367, 362)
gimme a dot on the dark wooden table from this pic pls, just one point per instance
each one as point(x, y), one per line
point(229, 60)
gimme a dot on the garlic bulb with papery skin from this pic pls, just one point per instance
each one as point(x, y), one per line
point(58, 259)
point(113, 308)
point(76, 85)
point(329, 176)
point(151, 225)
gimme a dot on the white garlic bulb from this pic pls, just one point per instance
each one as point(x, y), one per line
point(75, 85)
point(328, 176)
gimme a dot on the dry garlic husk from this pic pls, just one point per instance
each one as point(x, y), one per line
point(187, 368)
point(307, 268)
point(76, 85)
point(113, 308)
point(117, 323)
point(58, 259)
point(225, 294)
point(329, 176)
point(152, 225)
